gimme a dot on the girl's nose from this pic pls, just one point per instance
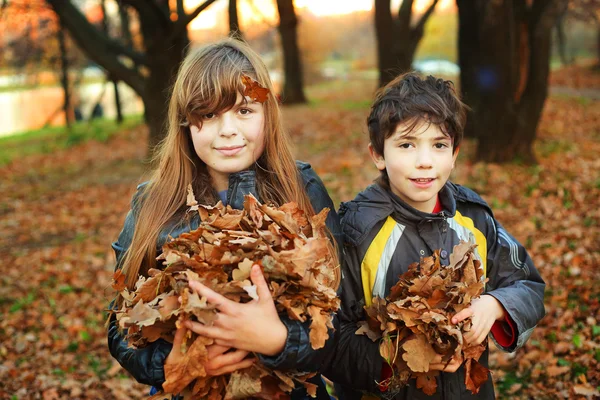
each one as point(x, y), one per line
point(228, 126)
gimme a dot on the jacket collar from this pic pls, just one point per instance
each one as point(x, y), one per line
point(375, 203)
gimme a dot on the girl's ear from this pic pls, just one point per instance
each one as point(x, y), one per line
point(377, 158)
point(455, 156)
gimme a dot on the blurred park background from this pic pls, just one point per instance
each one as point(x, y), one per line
point(83, 87)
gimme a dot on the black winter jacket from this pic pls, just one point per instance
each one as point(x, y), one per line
point(382, 237)
point(146, 364)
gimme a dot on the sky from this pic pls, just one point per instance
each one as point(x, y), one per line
point(256, 11)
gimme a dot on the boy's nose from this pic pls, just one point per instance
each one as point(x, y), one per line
point(424, 159)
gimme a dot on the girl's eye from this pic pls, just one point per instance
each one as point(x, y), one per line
point(245, 111)
point(208, 116)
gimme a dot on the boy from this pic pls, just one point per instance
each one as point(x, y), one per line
point(415, 129)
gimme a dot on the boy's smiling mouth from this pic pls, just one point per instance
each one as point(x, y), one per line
point(422, 183)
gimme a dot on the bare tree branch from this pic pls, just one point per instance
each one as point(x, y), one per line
point(181, 25)
point(421, 24)
point(97, 45)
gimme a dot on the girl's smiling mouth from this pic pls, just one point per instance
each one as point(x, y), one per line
point(229, 150)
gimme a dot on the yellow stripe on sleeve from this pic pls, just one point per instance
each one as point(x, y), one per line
point(480, 239)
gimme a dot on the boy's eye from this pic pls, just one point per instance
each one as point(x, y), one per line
point(404, 145)
point(441, 145)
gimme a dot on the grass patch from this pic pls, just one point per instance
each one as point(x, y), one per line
point(48, 140)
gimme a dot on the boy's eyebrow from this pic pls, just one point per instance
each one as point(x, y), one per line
point(410, 137)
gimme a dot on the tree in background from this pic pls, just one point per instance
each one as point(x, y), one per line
point(234, 23)
point(588, 12)
point(293, 90)
point(397, 38)
point(148, 68)
point(504, 56)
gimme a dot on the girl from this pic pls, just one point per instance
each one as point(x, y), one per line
point(225, 138)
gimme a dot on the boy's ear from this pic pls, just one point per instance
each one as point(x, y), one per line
point(377, 158)
point(455, 156)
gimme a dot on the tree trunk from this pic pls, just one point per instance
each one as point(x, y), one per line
point(293, 91)
point(504, 55)
point(164, 42)
point(561, 38)
point(397, 40)
point(115, 82)
point(234, 24)
point(64, 78)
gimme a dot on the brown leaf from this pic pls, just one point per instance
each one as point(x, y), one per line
point(418, 354)
point(254, 90)
point(475, 375)
point(318, 327)
point(118, 281)
point(427, 382)
point(242, 386)
point(179, 375)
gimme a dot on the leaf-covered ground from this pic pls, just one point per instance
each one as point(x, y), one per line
point(60, 211)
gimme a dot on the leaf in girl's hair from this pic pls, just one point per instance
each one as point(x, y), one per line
point(254, 90)
point(191, 366)
point(427, 382)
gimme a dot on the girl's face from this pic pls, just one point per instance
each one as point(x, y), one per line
point(230, 141)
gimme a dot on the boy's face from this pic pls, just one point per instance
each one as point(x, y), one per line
point(418, 163)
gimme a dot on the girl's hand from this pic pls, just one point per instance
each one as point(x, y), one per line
point(219, 360)
point(253, 326)
point(484, 311)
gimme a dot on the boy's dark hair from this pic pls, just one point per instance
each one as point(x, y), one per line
point(410, 98)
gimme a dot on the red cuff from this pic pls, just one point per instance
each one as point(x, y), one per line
point(386, 373)
point(504, 331)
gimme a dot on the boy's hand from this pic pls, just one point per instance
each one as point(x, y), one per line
point(484, 311)
point(219, 359)
point(253, 326)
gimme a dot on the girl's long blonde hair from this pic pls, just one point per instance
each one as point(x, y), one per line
point(209, 80)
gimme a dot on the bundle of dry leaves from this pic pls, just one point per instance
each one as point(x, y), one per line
point(295, 258)
point(414, 325)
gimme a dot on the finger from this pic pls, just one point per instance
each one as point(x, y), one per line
point(222, 303)
point(215, 350)
point(223, 343)
point(227, 359)
point(262, 288)
point(212, 332)
point(234, 367)
point(462, 315)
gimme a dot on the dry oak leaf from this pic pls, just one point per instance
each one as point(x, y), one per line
point(418, 354)
point(179, 375)
point(427, 382)
point(254, 90)
point(475, 375)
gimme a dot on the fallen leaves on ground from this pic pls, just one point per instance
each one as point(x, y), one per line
point(413, 324)
point(60, 211)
